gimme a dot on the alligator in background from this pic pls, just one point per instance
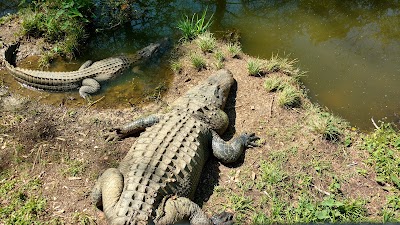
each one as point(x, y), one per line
point(88, 76)
point(160, 173)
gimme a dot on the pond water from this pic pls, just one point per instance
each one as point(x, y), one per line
point(351, 49)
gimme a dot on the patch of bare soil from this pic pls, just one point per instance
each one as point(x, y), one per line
point(65, 149)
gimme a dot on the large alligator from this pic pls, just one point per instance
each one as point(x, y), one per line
point(86, 78)
point(159, 175)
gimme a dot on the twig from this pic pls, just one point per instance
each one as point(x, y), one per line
point(92, 103)
point(320, 190)
point(272, 104)
point(373, 122)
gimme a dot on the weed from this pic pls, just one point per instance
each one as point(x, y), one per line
point(259, 218)
point(191, 28)
point(206, 42)
point(277, 83)
point(198, 61)
point(219, 56)
point(176, 66)
point(254, 67)
point(284, 65)
point(75, 168)
point(7, 18)
point(391, 211)
point(61, 22)
point(330, 127)
point(21, 207)
point(82, 218)
point(241, 205)
point(234, 50)
point(271, 174)
point(384, 148)
point(289, 97)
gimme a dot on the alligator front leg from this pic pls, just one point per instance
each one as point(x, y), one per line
point(229, 152)
point(132, 127)
point(86, 65)
point(175, 209)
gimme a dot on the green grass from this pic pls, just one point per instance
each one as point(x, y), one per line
point(62, 23)
point(206, 42)
point(19, 204)
point(255, 67)
point(197, 61)
point(391, 210)
point(330, 127)
point(278, 83)
point(383, 146)
point(219, 56)
point(234, 50)
point(289, 97)
point(176, 66)
point(192, 27)
point(75, 168)
point(284, 65)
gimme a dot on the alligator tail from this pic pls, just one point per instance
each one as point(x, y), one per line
point(10, 55)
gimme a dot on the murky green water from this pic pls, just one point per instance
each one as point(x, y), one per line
point(351, 49)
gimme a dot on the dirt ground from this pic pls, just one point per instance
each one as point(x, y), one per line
point(64, 147)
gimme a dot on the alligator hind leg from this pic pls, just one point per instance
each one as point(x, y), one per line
point(108, 189)
point(175, 209)
point(89, 86)
point(228, 152)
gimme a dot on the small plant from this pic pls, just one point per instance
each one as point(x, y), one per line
point(241, 205)
point(191, 28)
point(254, 67)
point(289, 97)
point(176, 66)
point(277, 83)
point(198, 61)
point(330, 127)
point(284, 65)
point(219, 56)
point(22, 204)
point(384, 148)
point(234, 50)
point(391, 211)
point(75, 168)
point(206, 42)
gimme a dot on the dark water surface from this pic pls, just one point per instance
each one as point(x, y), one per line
point(351, 49)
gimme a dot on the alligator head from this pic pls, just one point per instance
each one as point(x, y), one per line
point(211, 92)
point(154, 49)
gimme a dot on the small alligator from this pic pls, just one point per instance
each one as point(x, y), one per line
point(86, 78)
point(159, 175)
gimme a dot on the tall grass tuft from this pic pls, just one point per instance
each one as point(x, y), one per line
point(206, 42)
point(234, 50)
point(198, 61)
point(192, 27)
point(289, 97)
point(254, 67)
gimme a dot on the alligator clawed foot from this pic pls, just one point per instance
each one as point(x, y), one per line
point(114, 134)
point(251, 140)
point(223, 218)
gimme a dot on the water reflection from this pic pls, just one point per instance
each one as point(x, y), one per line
point(350, 48)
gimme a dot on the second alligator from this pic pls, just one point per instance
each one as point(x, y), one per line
point(88, 76)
